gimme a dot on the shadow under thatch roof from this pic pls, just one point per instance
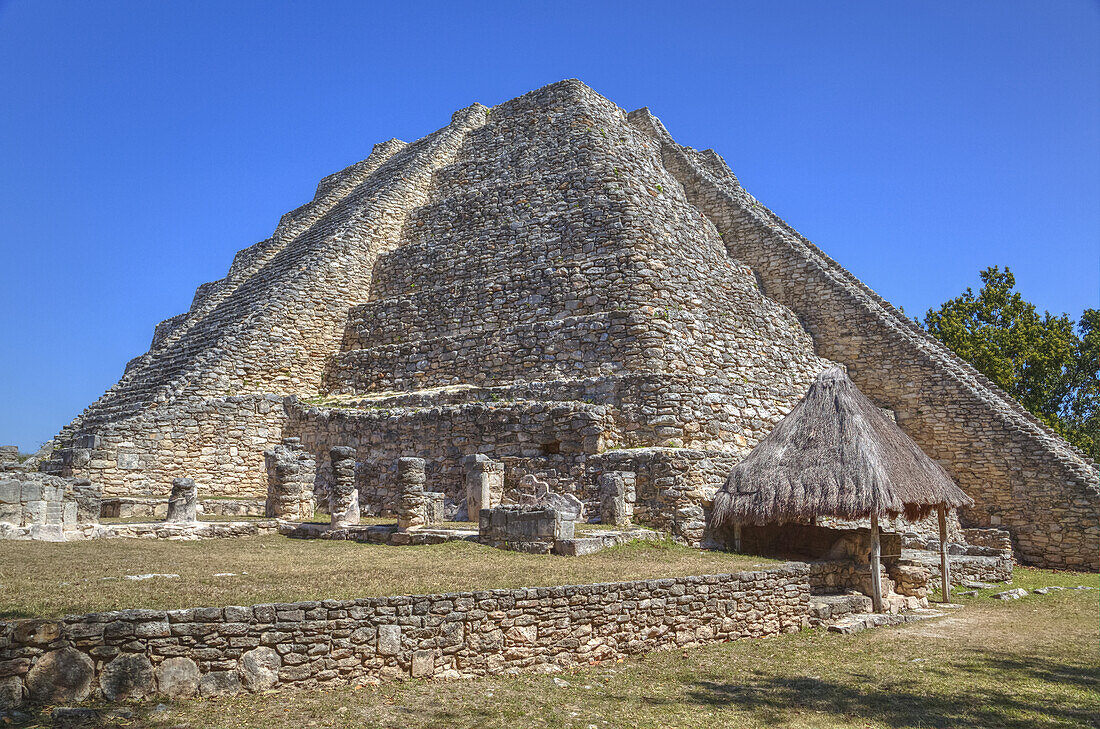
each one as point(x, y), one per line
point(835, 454)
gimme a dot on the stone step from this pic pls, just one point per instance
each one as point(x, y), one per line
point(581, 346)
point(444, 307)
point(857, 623)
point(591, 542)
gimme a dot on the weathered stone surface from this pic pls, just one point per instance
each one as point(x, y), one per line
point(11, 692)
point(183, 504)
point(178, 678)
point(484, 483)
point(128, 676)
point(219, 683)
point(259, 668)
point(1015, 594)
point(423, 664)
point(59, 676)
point(38, 632)
point(531, 529)
point(389, 640)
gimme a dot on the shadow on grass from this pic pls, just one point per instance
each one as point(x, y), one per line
point(993, 698)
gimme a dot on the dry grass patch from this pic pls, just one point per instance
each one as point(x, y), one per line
point(41, 579)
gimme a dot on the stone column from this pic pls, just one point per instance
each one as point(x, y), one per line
point(183, 504)
point(290, 474)
point(343, 499)
point(616, 497)
point(411, 501)
point(484, 484)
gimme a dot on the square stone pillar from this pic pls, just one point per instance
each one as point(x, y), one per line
point(484, 484)
point(617, 497)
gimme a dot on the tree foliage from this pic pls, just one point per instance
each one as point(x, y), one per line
point(1049, 364)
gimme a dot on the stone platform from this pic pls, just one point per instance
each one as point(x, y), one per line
point(148, 530)
point(584, 543)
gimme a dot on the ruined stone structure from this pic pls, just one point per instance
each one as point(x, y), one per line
point(560, 286)
point(41, 506)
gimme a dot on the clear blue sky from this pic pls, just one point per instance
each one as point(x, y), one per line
point(143, 143)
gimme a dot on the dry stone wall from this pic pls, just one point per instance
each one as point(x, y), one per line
point(1022, 476)
point(207, 652)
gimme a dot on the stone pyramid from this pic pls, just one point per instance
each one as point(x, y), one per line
point(558, 285)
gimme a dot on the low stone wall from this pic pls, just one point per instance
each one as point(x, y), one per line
point(136, 508)
point(212, 651)
point(964, 567)
point(40, 506)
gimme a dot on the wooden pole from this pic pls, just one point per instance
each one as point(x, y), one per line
point(945, 569)
point(737, 537)
point(876, 555)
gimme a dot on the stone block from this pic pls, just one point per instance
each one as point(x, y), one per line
point(10, 492)
point(434, 503)
point(31, 491)
point(34, 512)
point(259, 669)
point(484, 483)
point(178, 678)
point(219, 683)
point(128, 676)
point(61, 676)
point(11, 692)
point(389, 640)
point(616, 497)
point(423, 664)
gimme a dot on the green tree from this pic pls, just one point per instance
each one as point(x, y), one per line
point(1044, 361)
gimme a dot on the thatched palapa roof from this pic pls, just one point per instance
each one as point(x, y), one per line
point(835, 454)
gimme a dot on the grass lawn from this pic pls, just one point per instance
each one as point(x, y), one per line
point(1021, 664)
point(42, 579)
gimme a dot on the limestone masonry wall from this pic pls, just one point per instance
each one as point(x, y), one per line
point(1022, 476)
point(133, 654)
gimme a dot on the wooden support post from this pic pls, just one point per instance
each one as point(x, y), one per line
point(737, 537)
point(876, 560)
point(945, 569)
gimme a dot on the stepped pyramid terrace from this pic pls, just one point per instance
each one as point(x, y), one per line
point(557, 285)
